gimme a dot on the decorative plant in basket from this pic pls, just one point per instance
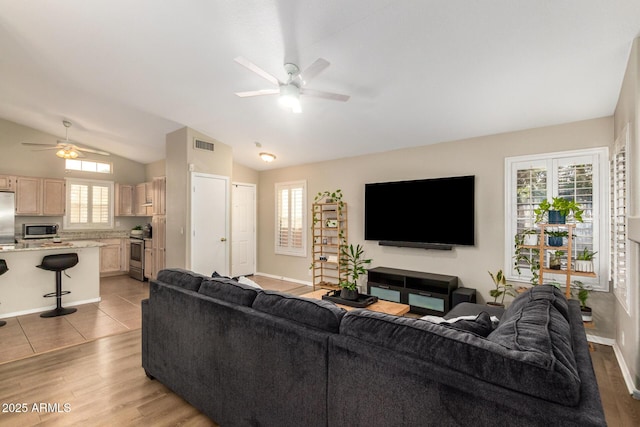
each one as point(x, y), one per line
point(352, 259)
point(502, 288)
point(558, 210)
point(584, 261)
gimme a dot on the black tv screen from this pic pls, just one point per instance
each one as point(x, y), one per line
point(429, 211)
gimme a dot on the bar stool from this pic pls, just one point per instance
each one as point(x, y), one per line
point(3, 269)
point(58, 263)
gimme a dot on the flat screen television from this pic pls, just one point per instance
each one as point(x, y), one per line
point(421, 213)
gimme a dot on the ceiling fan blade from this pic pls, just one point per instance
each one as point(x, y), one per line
point(47, 148)
point(258, 92)
point(91, 150)
point(325, 95)
point(313, 70)
point(259, 71)
point(36, 144)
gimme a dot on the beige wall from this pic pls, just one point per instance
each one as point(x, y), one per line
point(482, 157)
point(152, 170)
point(628, 111)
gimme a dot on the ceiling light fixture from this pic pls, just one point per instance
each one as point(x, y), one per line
point(290, 98)
point(267, 157)
point(67, 153)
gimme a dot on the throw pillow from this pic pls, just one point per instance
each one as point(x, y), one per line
point(482, 325)
point(246, 281)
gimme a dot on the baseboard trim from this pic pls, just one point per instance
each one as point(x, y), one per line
point(600, 340)
point(49, 307)
point(626, 374)
point(288, 279)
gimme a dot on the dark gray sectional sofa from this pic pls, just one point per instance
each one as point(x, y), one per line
point(245, 356)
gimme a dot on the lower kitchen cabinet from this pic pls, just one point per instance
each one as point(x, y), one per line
point(111, 256)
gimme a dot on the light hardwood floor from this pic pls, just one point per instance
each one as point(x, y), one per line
point(103, 384)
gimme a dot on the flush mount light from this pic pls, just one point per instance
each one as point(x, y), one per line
point(267, 157)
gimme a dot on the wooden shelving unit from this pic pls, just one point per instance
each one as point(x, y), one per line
point(568, 249)
point(329, 236)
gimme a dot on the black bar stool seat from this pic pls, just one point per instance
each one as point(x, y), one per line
point(58, 263)
point(3, 269)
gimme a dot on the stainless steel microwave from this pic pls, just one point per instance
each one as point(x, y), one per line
point(39, 231)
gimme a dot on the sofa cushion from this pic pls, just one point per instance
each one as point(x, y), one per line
point(183, 278)
point(541, 292)
point(318, 314)
point(229, 290)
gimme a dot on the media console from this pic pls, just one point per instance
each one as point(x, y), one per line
point(426, 293)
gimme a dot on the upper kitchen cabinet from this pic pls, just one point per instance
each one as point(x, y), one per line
point(159, 195)
point(7, 183)
point(144, 199)
point(124, 200)
point(40, 196)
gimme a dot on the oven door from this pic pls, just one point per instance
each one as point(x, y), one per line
point(136, 259)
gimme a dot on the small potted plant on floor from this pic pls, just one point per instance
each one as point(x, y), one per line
point(502, 289)
point(584, 261)
point(557, 210)
point(583, 295)
point(352, 259)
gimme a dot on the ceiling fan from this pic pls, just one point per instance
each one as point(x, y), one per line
point(295, 85)
point(66, 149)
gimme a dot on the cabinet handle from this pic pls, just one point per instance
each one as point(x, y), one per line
point(383, 286)
point(424, 294)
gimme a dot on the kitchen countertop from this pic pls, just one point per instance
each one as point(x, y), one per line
point(48, 245)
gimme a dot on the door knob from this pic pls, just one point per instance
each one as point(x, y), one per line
point(223, 239)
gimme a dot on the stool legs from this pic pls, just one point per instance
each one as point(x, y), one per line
point(59, 310)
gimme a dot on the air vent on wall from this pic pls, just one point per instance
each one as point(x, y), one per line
point(202, 145)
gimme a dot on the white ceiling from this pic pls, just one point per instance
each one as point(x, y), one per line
point(127, 72)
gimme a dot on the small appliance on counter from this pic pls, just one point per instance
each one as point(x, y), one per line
point(39, 231)
point(146, 231)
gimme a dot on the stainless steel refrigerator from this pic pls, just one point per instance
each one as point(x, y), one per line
point(7, 217)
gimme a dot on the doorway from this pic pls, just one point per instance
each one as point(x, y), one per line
point(209, 224)
point(243, 229)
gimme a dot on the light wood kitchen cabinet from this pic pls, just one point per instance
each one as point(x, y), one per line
point(7, 183)
point(110, 256)
point(149, 263)
point(159, 227)
point(28, 196)
point(159, 195)
point(143, 199)
point(53, 197)
point(124, 200)
point(126, 252)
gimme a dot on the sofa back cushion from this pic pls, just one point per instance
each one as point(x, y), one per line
point(183, 278)
point(229, 290)
point(319, 314)
point(537, 363)
point(541, 292)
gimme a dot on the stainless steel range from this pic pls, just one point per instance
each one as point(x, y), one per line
point(136, 258)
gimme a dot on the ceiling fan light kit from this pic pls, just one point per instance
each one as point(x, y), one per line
point(66, 149)
point(290, 98)
point(67, 153)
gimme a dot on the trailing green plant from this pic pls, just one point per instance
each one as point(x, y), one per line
point(564, 206)
point(354, 264)
point(502, 287)
point(335, 196)
point(532, 259)
point(586, 255)
point(557, 233)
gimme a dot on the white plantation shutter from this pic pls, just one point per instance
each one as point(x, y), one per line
point(619, 248)
point(291, 218)
point(578, 175)
point(90, 204)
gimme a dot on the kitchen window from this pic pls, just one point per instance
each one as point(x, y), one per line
point(89, 204)
point(581, 175)
point(291, 218)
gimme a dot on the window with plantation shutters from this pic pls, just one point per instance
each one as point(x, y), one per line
point(576, 175)
point(291, 218)
point(89, 204)
point(619, 242)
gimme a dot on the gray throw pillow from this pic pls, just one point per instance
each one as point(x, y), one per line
point(481, 326)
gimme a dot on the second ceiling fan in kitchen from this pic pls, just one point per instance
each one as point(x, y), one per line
point(66, 149)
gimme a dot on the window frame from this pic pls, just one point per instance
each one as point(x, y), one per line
point(68, 225)
point(82, 162)
point(601, 218)
point(289, 250)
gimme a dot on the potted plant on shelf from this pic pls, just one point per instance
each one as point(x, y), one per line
point(555, 261)
point(584, 261)
point(583, 295)
point(530, 237)
point(557, 210)
point(502, 289)
point(556, 237)
point(353, 261)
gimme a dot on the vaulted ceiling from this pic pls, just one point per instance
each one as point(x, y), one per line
point(418, 72)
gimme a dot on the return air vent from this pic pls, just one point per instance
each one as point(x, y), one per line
point(202, 145)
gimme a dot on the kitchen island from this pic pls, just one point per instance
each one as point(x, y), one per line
point(23, 286)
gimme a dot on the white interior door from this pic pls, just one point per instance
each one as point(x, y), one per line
point(209, 224)
point(243, 229)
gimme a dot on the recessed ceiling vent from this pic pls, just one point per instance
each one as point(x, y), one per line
point(202, 145)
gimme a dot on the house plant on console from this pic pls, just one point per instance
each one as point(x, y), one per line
point(352, 257)
point(502, 289)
